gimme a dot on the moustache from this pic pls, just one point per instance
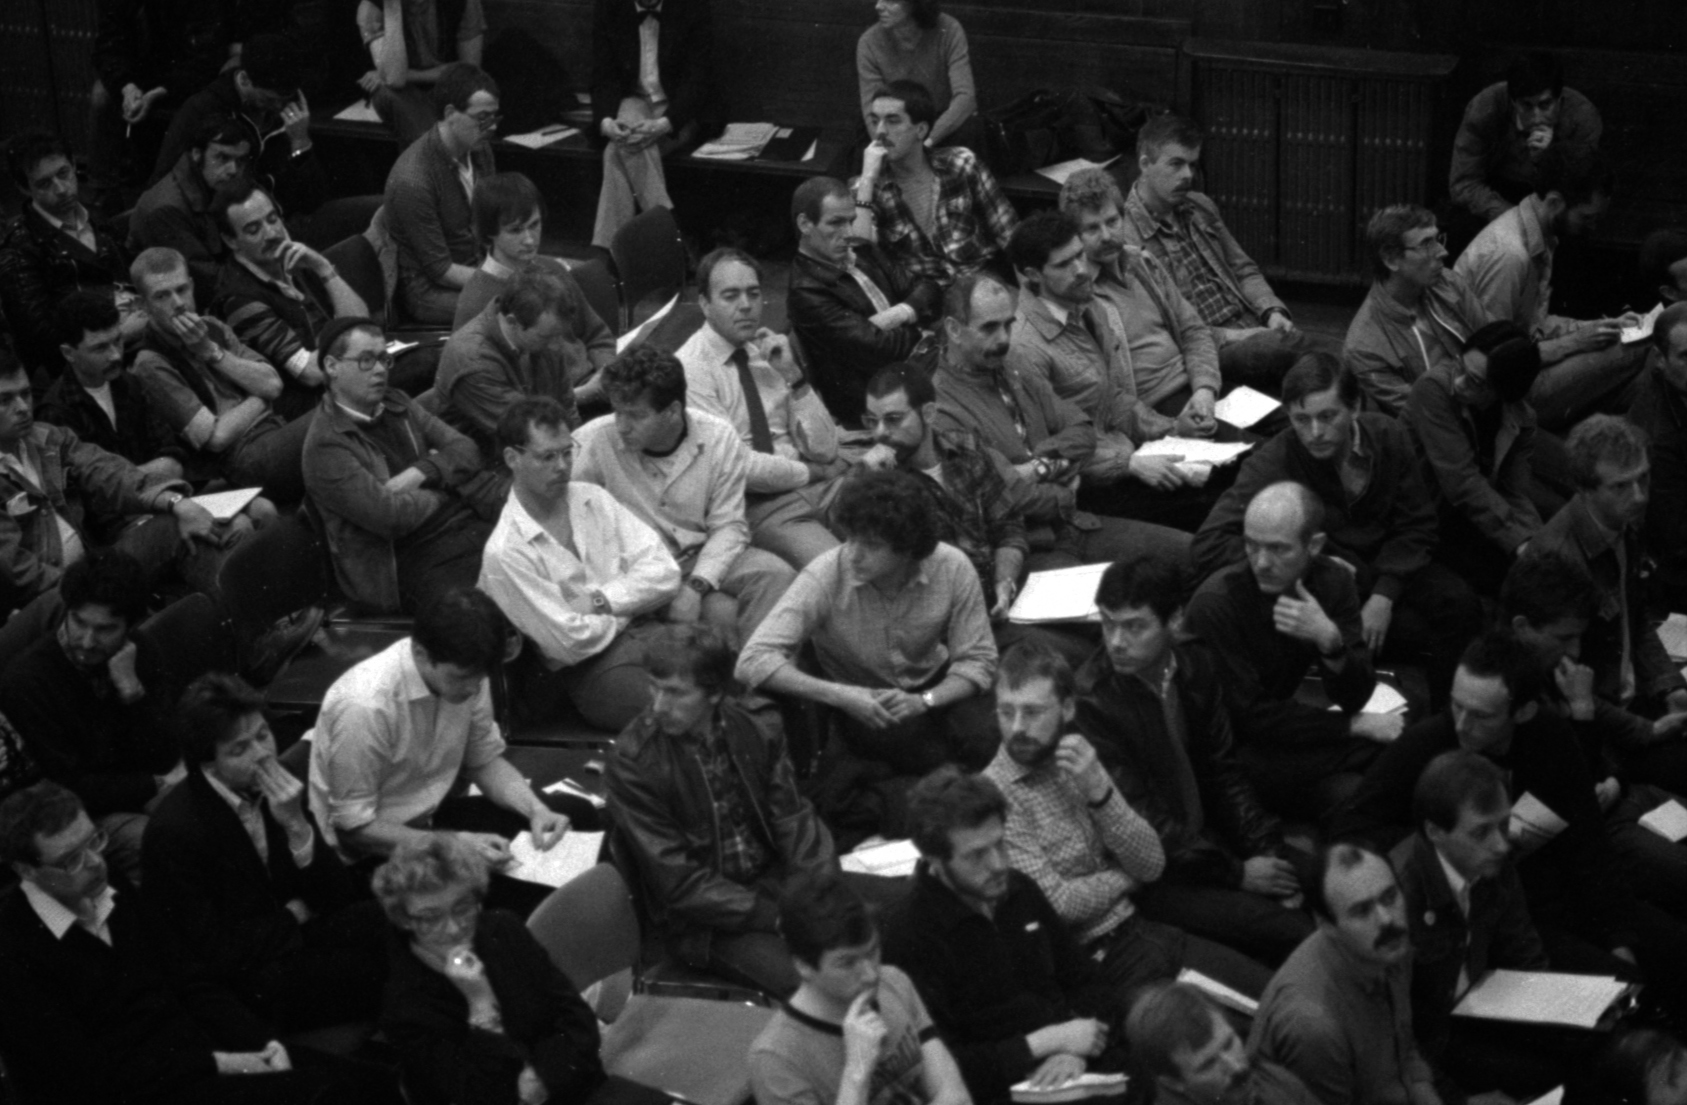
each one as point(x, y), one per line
point(1390, 936)
point(1027, 751)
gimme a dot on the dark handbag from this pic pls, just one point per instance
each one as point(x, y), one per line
point(1025, 134)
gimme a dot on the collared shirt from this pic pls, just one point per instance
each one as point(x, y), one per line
point(251, 814)
point(936, 621)
point(971, 224)
point(799, 1059)
point(693, 497)
point(1196, 275)
point(1355, 470)
point(1390, 345)
point(59, 918)
point(649, 42)
point(82, 230)
point(974, 510)
point(496, 268)
point(1342, 1024)
point(386, 748)
point(712, 385)
point(70, 541)
point(741, 854)
point(1509, 265)
point(1087, 860)
point(1460, 886)
point(544, 587)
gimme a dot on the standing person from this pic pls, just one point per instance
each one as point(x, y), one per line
point(914, 40)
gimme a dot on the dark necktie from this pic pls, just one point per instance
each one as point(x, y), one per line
point(761, 436)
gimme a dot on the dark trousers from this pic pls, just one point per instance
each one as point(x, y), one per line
point(1141, 951)
point(1523, 1061)
point(336, 978)
point(1306, 778)
point(1656, 869)
point(1435, 616)
point(1259, 927)
point(446, 560)
point(273, 460)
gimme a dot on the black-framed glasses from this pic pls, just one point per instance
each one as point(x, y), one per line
point(460, 914)
point(78, 861)
point(487, 122)
point(1439, 240)
point(367, 361)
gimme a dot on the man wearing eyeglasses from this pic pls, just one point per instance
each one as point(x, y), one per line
point(1418, 314)
point(429, 191)
point(404, 498)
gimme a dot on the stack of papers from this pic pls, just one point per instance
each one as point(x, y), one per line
point(740, 142)
point(1061, 171)
point(1632, 334)
point(893, 860)
point(1541, 997)
point(1059, 595)
point(1195, 449)
point(1089, 1084)
point(1244, 406)
point(1533, 823)
point(358, 111)
point(1673, 634)
point(1668, 821)
point(1384, 700)
point(224, 505)
point(574, 854)
point(544, 136)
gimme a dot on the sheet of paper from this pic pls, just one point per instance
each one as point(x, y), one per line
point(637, 333)
point(1673, 633)
point(1244, 406)
point(574, 854)
point(395, 347)
point(1059, 595)
point(1088, 1084)
point(1631, 334)
point(1541, 997)
point(1195, 449)
point(1533, 821)
point(224, 505)
point(1219, 992)
point(891, 860)
point(544, 136)
point(739, 142)
point(358, 111)
point(569, 786)
point(1062, 171)
point(1384, 700)
point(1550, 1097)
point(1668, 821)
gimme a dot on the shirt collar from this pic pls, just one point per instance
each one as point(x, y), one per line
point(235, 801)
point(1011, 769)
point(496, 268)
point(1537, 236)
point(1456, 882)
point(286, 285)
point(1047, 319)
point(1144, 216)
point(716, 348)
point(60, 224)
point(60, 918)
point(1593, 537)
point(359, 417)
point(411, 684)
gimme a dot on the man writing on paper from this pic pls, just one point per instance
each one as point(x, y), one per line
point(705, 807)
point(1269, 619)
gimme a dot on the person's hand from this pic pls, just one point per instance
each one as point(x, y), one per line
point(872, 160)
point(1197, 418)
point(1625, 954)
point(863, 1033)
point(776, 351)
point(410, 479)
point(864, 706)
point(1006, 591)
point(295, 253)
point(131, 101)
point(1280, 320)
point(466, 971)
point(1377, 612)
point(194, 333)
point(1270, 877)
point(902, 705)
point(121, 668)
point(892, 317)
point(686, 607)
point(194, 522)
point(615, 130)
point(1160, 473)
point(547, 826)
point(1594, 336)
point(1381, 728)
point(371, 82)
point(285, 794)
point(300, 910)
point(1628, 320)
point(275, 1056)
point(295, 120)
point(1056, 1071)
point(493, 847)
point(1302, 617)
point(530, 1088)
point(1676, 701)
point(1539, 138)
point(1607, 791)
point(143, 109)
point(171, 778)
point(1575, 683)
point(1084, 1036)
point(1076, 756)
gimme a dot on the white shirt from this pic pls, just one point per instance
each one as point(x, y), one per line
point(649, 74)
point(712, 386)
point(83, 233)
point(386, 748)
point(59, 917)
point(544, 587)
point(102, 396)
point(1461, 893)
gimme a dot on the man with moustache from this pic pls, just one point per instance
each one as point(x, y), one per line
point(1070, 829)
point(1337, 1013)
point(175, 213)
point(1181, 1039)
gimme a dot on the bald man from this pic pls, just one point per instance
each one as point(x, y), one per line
point(1267, 620)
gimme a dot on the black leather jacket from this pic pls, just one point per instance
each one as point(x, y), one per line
point(663, 820)
point(39, 266)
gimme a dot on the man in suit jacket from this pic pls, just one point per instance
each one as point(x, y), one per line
point(853, 311)
point(252, 897)
point(652, 87)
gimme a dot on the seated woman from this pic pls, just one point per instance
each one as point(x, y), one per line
point(477, 1011)
point(913, 41)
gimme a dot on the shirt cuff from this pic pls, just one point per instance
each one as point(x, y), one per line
point(303, 852)
point(299, 361)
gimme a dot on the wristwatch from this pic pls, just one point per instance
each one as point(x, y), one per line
point(701, 586)
point(929, 699)
point(599, 602)
point(171, 498)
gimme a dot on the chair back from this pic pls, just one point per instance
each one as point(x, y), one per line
point(588, 926)
point(602, 290)
point(358, 262)
point(277, 571)
point(649, 257)
point(185, 640)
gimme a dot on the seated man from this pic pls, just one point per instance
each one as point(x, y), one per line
point(1129, 364)
point(276, 294)
point(1476, 432)
point(404, 498)
point(576, 572)
point(853, 310)
point(1418, 313)
point(940, 213)
point(1071, 830)
point(1153, 710)
point(1336, 1014)
point(1007, 984)
point(747, 376)
point(714, 859)
point(428, 192)
point(1178, 1036)
point(1600, 529)
point(653, 93)
point(1378, 517)
point(856, 1030)
point(213, 389)
point(411, 45)
point(92, 1011)
point(1267, 621)
point(1660, 412)
point(898, 622)
point(95, 396)
point(397, 730)
point(1663, 265)
point(1585, 365)
point(681, 472)
point(1182, 229)
point(1467, 915)
point(1506, 129)
point(517, 348)
point(54, 248)
point(281, 933)
point(175, 213)
point(86, 714)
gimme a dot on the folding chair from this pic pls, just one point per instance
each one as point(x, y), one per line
point(602, 290)
point(649, 258)
point(185, 640)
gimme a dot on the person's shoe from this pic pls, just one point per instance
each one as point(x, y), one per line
point(269, 653)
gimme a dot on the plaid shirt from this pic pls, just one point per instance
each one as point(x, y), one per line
point(1197, 277)
point(974, 511)
point(743, 856)
point(1086, 861)
point(972, 224)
